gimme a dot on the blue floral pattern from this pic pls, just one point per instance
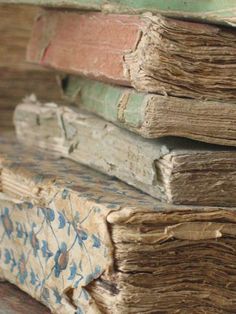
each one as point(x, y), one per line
point(64, 243)
point(6, 221)
point(55, 251)
point(22, 269)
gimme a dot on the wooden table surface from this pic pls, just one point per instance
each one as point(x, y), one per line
point(14, 301)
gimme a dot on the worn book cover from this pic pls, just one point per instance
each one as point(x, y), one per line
point(151, 115)
point(172, 170)
point(82, 242)
point(149, 52)
point(213, 11)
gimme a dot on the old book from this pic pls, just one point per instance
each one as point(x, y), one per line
point(215, 11)
point(14, 301)
point(82, 242)
point(151, 53)
point(172, 169)
point(154, 116)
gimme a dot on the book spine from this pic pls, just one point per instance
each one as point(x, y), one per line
point(122, 106)
point(94, 142)
point(98, 42)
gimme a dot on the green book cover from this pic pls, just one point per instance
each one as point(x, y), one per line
point(223, 11)
point(152, 115)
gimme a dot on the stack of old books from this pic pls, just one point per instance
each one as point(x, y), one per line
point(148, 98)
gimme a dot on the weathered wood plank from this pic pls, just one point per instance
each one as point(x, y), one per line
point(151, 53)
point(172, 170)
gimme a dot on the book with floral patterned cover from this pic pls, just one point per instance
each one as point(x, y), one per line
point(82, 242)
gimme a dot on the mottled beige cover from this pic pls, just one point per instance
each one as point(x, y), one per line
point(172, 170)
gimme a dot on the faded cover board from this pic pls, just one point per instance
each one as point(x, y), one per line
point(172, 170)
point(81, 242)
point(154, 116)
point(150, 53)
point(215, 11)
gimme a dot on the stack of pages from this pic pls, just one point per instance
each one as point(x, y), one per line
point(122, 200)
